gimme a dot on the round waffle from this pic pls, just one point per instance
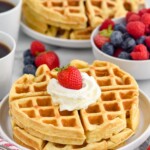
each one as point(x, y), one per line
point(110, 121)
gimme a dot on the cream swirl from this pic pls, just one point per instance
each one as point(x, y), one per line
point(70, 99)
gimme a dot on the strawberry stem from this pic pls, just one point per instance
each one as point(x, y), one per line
point(61, 68)
point(107, 32)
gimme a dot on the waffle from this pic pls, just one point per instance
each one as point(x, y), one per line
point(115, 114)
point(25, 139)
point(78, 17)
point(81, 34)
point(99, 10)
point(40, 24)
point(60, 11)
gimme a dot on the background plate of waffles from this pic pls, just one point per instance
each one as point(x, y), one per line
point(140, 136)
point(54, 40)
point(70, 23)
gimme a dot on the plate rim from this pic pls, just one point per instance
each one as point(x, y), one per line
point(31, 33)
point(140, 139)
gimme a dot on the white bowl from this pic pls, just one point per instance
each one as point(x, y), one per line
point(140, 69)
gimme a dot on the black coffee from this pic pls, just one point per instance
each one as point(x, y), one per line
point(5, 6)
point(4, 50)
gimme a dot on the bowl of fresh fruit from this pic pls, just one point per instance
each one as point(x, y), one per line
point(125, 42)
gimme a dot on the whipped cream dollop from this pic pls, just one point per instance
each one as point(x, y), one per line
point(70, 99)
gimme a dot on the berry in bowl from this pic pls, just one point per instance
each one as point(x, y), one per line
point(125, 42)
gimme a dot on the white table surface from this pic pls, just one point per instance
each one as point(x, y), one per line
point(65, 56)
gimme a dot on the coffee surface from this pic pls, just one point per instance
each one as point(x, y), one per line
point(4, 50)
point(5, 6)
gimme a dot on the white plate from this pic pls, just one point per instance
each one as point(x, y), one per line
point(55, 41)
point(141, 135)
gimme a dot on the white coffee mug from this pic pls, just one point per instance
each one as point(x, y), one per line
point(6, 64)
point(10, 20)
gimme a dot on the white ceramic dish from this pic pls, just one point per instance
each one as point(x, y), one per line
point(141, 135)
point(138, 69)
point(55, 41)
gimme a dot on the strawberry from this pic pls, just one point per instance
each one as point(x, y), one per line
point(107, 23)
point(49, 58)
point(100, 40)
point(148, 148)
point(36, 48)
point(70, 77)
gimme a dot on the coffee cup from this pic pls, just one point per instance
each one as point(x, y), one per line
point(6, 63)
point(10, 19)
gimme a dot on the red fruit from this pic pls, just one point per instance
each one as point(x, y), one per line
point(145, 19)
point(148, 148)
point(136, 29)
point(147, 29)
point(100, 40)
point(129, 14)
point(36, 48)
point(143, 11)
point(70, 78)
point(49, 58)
point(140, 52)
point(134, 17)
point(147, 41)
point(106, 24)
point(117, 52)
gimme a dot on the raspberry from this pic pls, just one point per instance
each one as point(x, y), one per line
point(147, 29)
point(106, 24)
point(140, 52)
point(143, 11)
point(136, 29)
point(134, 17)
point(36, 48)
point(100, 40)
point(49, 58)
point(147, 41)
point(145, 19)
point(129, 14)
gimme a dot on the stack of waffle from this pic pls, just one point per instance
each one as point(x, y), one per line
point(39, 124)
point(73, 19)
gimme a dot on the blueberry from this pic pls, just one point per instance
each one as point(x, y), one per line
point(140, 40)
point(120, 27)
point(128, 44)
point(126, 35)
point(29, 69)
point(108, 48)
point(28, 60)
point(116, 38)
point(124, 55)
point(26, 53)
